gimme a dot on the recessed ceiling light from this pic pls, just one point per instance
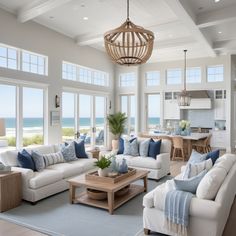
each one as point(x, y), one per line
point(220, 32)
point(85, 18)
point(217, 1)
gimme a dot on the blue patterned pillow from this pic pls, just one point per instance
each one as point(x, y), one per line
point(68, 152)
point(25, 160)
point(189, 185)
point(143, 147)
point(38, 161)
point(53, 158)
point(213, 155)
point(131, 148)
point(121, 145)
point(154, 148)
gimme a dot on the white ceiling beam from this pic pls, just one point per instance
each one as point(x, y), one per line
point(184, 16)
point(216, 17)
point(182, 42)
point(86, 40)
point(37, 8)
point(225, 44)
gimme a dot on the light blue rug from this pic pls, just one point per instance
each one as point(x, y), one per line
point(56, 216)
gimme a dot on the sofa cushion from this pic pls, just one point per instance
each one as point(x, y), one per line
point(43, 149)
point(67, 169)
point(38, 161)
point(143, 147)
point(44, 178)
point(213, 156)
point(25, 160)
point(80, 149)
point(131, 148)
point(211, 183)
point(84, 163)
point(145, 162)
point(53, 158)
point(68, 152)
point(225, 162)
point(128, 158)
point(154, 148)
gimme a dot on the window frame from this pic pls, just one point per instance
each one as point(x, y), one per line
point(158, 79)
point(167, 77)
point(126, 77)
point(7, 58)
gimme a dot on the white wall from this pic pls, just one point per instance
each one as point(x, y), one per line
point(39, 39)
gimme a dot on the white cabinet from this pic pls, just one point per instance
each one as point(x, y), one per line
point(171, 107)
point(220, 105)
point(219, 139)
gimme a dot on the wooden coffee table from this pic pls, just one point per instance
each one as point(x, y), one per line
point(112, 201)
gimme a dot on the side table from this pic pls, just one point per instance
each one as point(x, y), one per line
point(95, 153)
point(10, 190)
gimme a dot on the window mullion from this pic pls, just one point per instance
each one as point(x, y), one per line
point(19, 116)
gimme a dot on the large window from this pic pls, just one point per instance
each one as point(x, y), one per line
point(153, 111)
point(33, 116)
point(8, 113)
point(193, 75)
point(8, 57)
point(215, 73)
point(152, 78)
point(84, 75)
point(128, 106)
point(174, 76)
point(127, 80)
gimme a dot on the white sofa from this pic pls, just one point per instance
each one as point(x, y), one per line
point(158, 167)
point(207, 217)
point(53, 179)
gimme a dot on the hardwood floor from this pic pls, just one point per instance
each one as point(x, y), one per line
point(10, 229)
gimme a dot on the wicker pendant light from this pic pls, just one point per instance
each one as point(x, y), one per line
point(129, 44)
point(184, 98)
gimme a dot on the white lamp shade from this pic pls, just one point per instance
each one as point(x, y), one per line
point(2, 127)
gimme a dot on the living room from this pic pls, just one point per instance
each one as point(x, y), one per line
point(61, 81)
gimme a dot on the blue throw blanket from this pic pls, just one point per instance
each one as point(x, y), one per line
point(177, 207)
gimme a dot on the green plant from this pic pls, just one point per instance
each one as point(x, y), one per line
point(103, 162)
point(117, 123)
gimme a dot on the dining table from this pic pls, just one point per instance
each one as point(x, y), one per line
point(188, 139)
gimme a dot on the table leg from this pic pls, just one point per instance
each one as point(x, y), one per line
point(72, 193)
point(110, 197)
point(145, 183)
point(189, 148)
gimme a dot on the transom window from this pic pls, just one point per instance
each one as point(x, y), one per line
point(215, 73)
point(152, 78)
point(8, 57)
point(127, 79)
point(84, 75)
point(193, 75)
point(174, 76)
point(33, 63)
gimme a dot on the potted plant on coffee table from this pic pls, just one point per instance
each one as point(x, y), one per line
point(117, 126)
point(103, 164)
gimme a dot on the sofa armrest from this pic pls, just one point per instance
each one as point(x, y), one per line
point(148, 200)
point(183, 168)
point(163, 157)
point(90, 155)
point(26, 174)
point(206, 209)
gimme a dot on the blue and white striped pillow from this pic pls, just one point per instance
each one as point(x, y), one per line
point(53, 158)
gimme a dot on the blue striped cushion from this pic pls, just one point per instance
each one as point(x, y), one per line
point(53, 158)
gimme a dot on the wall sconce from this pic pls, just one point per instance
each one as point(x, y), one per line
point(57, 101)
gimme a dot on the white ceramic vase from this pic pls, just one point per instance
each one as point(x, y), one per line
point(115, 144)
point(103, 172)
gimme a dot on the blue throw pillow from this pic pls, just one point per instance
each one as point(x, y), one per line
point(25, 160)
point(121, 145)
point(189, 185)
point(213, 155)
point(38, 161)
point(196, 157)
point(80, 149)
point(154, 148)
point(68, 152)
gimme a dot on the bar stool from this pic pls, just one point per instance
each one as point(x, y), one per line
point(178, 146)
point(203, 145)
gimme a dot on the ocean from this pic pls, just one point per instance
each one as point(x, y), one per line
point(66, 122)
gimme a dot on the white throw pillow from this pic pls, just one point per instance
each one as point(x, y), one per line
point(193, 169)
point(211, 182)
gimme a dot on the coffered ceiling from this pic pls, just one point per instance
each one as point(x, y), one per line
point(204, 27)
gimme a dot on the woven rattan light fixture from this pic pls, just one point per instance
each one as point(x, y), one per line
point(184, 98)
point(129, 44)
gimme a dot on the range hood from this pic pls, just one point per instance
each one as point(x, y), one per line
point(199, 100)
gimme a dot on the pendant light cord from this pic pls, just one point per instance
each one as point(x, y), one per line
point(128, 9)
point(185, 51)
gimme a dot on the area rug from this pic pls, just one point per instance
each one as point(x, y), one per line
point(56, 216)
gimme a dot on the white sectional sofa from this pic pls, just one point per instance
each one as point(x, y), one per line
point(158, 167)
point(207, 217)
point(53, 179)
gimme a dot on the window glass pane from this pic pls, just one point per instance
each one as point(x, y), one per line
point(215, 73)
point(153, 120)
point(124, 109)
point(26, 57)
point(3, 52)
point(12, 53)
point(174, 76)
point(26, 67)
point(193, 75)
point(3, 62)
point(99, 120)
point(152, 78)
point(12, 64)
point(132, 114)
point(33, 118)
point(68, 116)
point(127, 80)
point(8, 113)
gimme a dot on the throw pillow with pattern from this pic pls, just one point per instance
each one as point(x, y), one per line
point(131, 148)
point(68, 152)
point(38, 160)
point(53, 158)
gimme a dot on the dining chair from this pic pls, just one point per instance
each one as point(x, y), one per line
point(178, 147)
point(203, 145)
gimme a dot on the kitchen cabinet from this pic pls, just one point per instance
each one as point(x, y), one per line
point(171, 107)
point(219, 138)
point(220, 105)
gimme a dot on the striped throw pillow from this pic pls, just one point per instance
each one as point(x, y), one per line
point(53, 158)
